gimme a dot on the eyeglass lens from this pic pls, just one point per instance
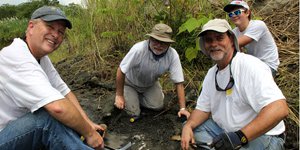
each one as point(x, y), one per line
point(237, 12)
point(160, 42)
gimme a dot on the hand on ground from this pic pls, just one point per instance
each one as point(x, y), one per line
point(120, 102)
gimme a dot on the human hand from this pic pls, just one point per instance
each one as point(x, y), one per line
point(95, 141)
point(119, 102)
point(187, 137)
point(183, 112)
point(98, 127)
point(227, 141)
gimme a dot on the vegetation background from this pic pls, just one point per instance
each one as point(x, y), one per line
point(104, 30)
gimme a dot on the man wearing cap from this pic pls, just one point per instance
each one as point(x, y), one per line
point(37, 109)
point(253, 35)
point(137, 76)
point(240, 106)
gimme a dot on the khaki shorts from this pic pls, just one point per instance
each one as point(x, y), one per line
point(152, 98)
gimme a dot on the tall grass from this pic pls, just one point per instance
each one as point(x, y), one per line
point(106, 29)
point(11, 28)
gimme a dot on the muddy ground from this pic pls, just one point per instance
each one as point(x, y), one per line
point(153, 131)
point(95, 90)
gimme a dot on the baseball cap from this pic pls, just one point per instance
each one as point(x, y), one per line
point(217, 25)
point(162, 32)
point(51, 13)
point(235, 3)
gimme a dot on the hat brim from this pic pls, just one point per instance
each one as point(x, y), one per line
point(163, 39)
point(214, 28)
point(57, 17)
point(228, 8)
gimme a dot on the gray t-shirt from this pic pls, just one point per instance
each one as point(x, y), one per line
point(142, 70)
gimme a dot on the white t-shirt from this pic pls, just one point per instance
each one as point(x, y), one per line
point(254, 88)
point(142, 70)
point(263, 45)
point(26, 85)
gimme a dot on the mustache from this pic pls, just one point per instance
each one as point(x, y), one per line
point(214, 48)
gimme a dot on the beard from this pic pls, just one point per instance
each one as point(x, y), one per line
point(155, 51)
point(217, 54)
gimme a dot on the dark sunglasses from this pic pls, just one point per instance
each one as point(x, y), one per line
point(237, 12)
point(230, 83)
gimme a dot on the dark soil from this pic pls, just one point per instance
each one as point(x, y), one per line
point(151, 131)
point(96, 94)
point(95, 90)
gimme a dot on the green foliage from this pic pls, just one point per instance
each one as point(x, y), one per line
point(26, 9)
point(191, 25)
point(106, 29)
point(110, 34)
point(23, 10)
point(7, 11)
point(191, 53)
point(11, 28)
point(14, 19)
point(118, 24)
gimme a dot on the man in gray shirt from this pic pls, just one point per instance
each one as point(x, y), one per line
point(137, 76)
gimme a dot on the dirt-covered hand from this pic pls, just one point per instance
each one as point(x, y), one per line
point(227, 141)
point(182, 113)
point(95, 141)
point(120, 102)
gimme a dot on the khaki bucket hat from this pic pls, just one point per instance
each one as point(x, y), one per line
point(217, 25)
point(162, 32)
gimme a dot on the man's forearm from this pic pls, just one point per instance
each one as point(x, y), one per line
point(71, 96)
point(267, 119)
point(180, 94)
point(197, 117)
point(120, 81)
point(65, 111)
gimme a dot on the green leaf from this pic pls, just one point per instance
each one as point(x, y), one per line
point(191, 53)
point(182, 28)
point(191, 24)
point(203, 20)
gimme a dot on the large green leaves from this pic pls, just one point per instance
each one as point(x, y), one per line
point(191, 25)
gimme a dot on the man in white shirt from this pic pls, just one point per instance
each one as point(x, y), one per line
point(240, 106)
point(37, 109)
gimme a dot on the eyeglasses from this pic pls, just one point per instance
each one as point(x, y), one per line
point(230, 83)
point(237, 12)
point(159, 42)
